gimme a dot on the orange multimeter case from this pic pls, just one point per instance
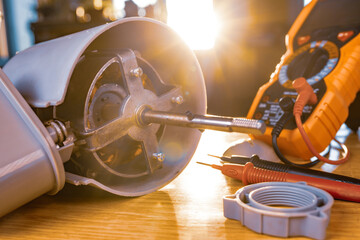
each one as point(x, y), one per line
point(323, 45)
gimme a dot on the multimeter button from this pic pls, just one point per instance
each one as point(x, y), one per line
point(258, 115)
point(266, 98)
point(303, 39)
point(344, 36)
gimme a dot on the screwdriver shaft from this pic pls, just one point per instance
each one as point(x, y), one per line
point(219, 123)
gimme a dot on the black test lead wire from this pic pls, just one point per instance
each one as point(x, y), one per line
point(287, 168)
point(287, 105)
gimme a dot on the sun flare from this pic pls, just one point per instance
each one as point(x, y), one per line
point(195, 21)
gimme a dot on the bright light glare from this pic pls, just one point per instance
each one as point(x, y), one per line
point(195, 22)
point(98, 4)
point(144, 3)
point(80, 12)
point(119, 9)
point(306, 2)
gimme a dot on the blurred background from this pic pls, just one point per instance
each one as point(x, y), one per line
point(238, 42)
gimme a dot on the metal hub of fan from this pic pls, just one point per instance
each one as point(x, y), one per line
point(111, 130)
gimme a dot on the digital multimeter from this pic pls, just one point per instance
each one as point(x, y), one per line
point(323, 46)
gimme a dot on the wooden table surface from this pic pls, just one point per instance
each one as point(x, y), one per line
point(190, 207)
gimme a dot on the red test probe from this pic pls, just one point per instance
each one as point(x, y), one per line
point(249, 174)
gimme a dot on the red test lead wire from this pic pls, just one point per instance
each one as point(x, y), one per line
point(306, 95)
point(249, 174)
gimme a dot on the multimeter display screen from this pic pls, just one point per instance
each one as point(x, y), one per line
point(329, 17)
point(332, 13)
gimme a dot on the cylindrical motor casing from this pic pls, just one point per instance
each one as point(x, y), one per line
point(51, 74)
point(30, 165)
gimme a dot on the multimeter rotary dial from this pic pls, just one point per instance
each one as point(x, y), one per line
point(314, 61)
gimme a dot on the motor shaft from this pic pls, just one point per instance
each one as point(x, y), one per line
point(219, 123)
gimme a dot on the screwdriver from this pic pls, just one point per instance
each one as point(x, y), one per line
point(287, 168)
point(249, 174)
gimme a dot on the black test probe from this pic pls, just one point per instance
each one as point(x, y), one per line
point(287, 168)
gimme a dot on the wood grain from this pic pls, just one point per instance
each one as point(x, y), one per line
point(190, 207)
